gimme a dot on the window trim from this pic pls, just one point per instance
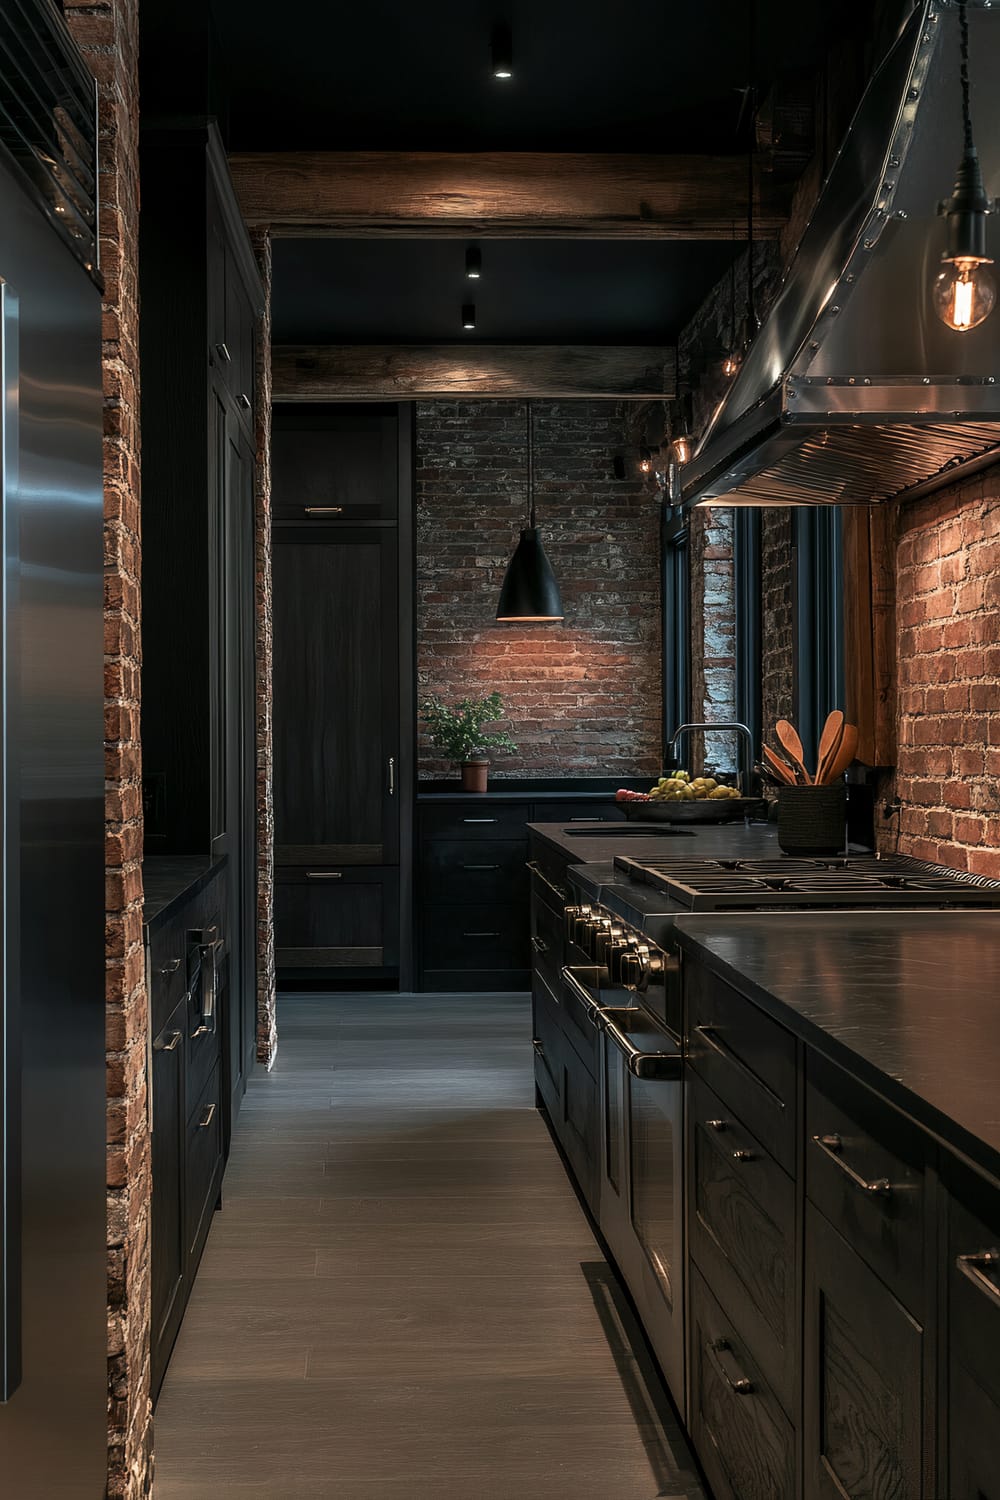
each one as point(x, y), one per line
point(675, 618)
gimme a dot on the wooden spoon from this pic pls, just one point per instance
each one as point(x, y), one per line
point(781, 767)
point(845, 753)
point(828, 743)
point(790, 741)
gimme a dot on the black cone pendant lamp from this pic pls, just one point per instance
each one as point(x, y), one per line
point(530, 593)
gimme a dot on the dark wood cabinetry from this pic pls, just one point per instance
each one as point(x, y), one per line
point(190, 999)
point(971, 1441)
point(343, 687)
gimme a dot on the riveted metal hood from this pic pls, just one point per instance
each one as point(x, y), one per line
point(853, 391)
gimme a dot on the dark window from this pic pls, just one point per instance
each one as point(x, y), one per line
point(676, 625)
point(819, 620)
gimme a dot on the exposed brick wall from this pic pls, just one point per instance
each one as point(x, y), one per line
point(948, 639)
point(108, 33)
point(777, 618)
point(713, 635)
point(582, 697)
point(267, 1031)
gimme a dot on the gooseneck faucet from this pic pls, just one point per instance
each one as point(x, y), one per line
point(746, 740)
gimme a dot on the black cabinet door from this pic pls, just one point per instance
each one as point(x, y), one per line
point(973, 1282)
point(863, 1377)
point(336, 666)
point(168, 1250)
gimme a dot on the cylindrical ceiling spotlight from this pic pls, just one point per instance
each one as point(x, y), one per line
point(473, 263)
point(502, 51)
point(469, 315)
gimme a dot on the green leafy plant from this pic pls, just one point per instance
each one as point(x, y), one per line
point(458, 729)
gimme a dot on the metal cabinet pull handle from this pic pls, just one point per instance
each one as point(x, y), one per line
point(831, 1146)
point(202, 1030)
point(323, 510)
point(974, 1268)
point(207, 1118)
point(659, 1066)
point(744, 1156)
point(171, 1044)
point(245, 401)
point(481, 934)
point(170, 968)
point(224, 354)
point(539, 945)
point(737, 1383)
point(480, 867)
point(480, 820)
point(324, 874)
point(538, 1046)
point(557, 890)
point(392, 776)
point(717, 1124)
point(709, 1035)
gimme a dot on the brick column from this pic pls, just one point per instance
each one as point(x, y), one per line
point(108, 34)
point(267, 1032)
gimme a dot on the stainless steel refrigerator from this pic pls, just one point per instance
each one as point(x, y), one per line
point(53, 1217)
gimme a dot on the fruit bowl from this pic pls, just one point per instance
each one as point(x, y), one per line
point(704, 810)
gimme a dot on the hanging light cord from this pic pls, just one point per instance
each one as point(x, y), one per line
point(963, 24)
point(531, 465)
point(752, 103)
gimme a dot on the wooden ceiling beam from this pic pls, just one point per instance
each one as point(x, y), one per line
point(503, 195)
point(376, 372)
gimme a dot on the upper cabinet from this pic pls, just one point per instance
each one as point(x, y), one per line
point(336, 463)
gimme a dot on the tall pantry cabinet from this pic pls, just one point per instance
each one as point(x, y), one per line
point(342, 507)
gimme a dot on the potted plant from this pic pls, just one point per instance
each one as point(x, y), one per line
point(458, 731)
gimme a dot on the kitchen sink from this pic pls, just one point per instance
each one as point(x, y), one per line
point(630, 831)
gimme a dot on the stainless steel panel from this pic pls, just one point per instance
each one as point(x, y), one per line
point(53, 1428)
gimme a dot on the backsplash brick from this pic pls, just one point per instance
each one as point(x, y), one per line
point(948, 642)
point(584, 697)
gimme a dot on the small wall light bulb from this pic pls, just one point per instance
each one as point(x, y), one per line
point(645, 461)
point(731, 363)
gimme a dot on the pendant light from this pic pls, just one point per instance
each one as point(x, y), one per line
point(530, 593)
point(964, 291)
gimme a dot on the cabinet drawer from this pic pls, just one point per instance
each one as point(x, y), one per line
point(577, 1123)
point(864, 1169)
point(470, 871)
point(476, 937)
point(168, 1250)
point(472, 820)
point(580, 1031)
point(335, 463)
point(204, 1164)
point(547, 1046)
point(742, 1228)
point(973, 1283)
point(547, 941)
point(745, 1442)
point(344, 918)
point(548, 877)
point(746, 1058)
point(864, 1390)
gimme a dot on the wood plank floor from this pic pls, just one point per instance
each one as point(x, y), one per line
point(402, 1298)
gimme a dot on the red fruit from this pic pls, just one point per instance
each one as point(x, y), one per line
point(621, 795)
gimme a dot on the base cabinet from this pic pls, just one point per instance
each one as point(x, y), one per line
point(973, 1292)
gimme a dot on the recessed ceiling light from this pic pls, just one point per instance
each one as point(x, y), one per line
point(473, 263)
point(502, 51)
point(469, 315)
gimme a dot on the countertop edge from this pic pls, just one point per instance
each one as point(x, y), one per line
point(978, 1153)
point(151, 920)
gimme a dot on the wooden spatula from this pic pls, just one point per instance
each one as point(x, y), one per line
point(829, 741)
point(844, 754)
point(780, 767)
point(790, 741)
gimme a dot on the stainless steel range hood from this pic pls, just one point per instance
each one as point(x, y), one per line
point(853, 391)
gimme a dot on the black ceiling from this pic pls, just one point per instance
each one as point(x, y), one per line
point(531, 291)
point(603, 75)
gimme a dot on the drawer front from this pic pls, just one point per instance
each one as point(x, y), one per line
point(204, 1164)
point(204, 1047)
point(745, 1058)
point(742, 1228)
point(547, 941)
point(472, 820)
point(864, 1392)
point(471, 872)
point(336, 918)
point(169, 1258)
point(577, 1122)
point(578, 812)
point(171, 956)
point(864, 1170)
point(547, 1044)
point(743, 1439)
point(548, 877)
point(476, 937)
point(580, 1031)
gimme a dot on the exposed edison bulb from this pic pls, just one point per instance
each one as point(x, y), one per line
point(964, 293)
point(731, 363)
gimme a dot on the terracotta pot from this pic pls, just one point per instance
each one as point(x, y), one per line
point(474, 775)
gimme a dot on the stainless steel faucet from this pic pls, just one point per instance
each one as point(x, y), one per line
point(746, 740)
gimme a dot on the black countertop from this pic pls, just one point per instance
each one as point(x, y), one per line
point(542, 789)
point(907, 1001)
point(166, 878)
point(706, 841)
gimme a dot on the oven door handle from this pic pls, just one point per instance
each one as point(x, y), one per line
point(658, 1066)
point(581, 993)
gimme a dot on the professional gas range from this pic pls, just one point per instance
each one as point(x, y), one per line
point(622, 971)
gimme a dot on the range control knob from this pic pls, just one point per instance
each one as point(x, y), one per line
point(610, 934)
point(617, 955)
point(596, 936)
point(572, 915)
point(636, 967)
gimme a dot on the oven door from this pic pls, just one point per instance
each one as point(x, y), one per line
point(642, 1176)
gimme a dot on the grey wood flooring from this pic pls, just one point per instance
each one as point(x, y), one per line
point(401, 1298)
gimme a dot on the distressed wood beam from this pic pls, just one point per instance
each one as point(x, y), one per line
point(376, 372)
point(503, 194)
